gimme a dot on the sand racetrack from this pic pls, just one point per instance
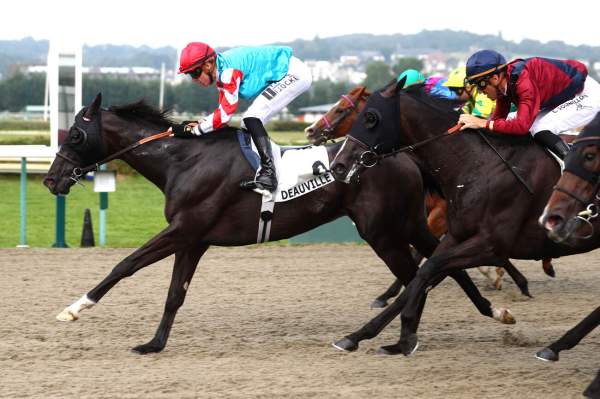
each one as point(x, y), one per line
point(258, 322)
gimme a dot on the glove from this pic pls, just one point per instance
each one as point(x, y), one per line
point(183, 130)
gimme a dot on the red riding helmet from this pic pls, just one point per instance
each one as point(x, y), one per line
point(194, 55)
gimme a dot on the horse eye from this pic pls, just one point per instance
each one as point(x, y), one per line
point(590, 156)
point(339, 111)
point(371, 119)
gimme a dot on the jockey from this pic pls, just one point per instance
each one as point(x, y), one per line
point(434, 85)
point(552, 96)
point(476, 102)
point(270, 76)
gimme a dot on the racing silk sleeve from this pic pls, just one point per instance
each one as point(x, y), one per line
point(528, 107)
point(480, 105)
point(229, 86)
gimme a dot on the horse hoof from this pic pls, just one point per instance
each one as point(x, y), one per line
point(345, 344)
point(550, 271)
point(547, 355)
point(378, 304)
point(67, 315)
point(409, 345)
point(146, 349)
point(504, 316)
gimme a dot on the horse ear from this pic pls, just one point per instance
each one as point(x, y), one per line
point(400, 84)
point(94, 108)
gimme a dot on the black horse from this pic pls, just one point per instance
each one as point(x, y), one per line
point(205, 206)
point(575, 199)
point(496, 187)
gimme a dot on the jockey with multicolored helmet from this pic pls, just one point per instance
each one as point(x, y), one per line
point(434, 85)
point(269, 75)
point(552, 96)
point(476, 102)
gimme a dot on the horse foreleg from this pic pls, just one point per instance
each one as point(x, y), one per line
point(448, 258)
point(183, 270)
point(159, 247)
point(548, 267)
point(571, 338)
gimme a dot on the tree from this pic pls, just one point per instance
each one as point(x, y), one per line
point(378, 75)
point(405, 63)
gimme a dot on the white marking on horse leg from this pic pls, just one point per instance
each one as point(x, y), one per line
point(186, 285)
point(503, 316)
point(71, 312)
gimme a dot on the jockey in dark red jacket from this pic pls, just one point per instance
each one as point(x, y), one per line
point(552, 96)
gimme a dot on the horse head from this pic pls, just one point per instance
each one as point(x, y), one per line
point(82, 147)
point(373, 134)
point(338, 120)
point(575, 199)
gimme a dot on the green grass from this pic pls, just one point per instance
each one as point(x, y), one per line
point(134, 215)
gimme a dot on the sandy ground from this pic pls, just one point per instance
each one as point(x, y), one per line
point(258, 323)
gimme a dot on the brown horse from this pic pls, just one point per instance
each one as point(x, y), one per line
point(496, 187)
point(204, 205)
point(336, 123)
point(570, 209)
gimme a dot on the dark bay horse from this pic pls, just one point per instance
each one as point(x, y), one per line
point(573, 203)
point(336, 123)
point(205, 206)
point(492, 215)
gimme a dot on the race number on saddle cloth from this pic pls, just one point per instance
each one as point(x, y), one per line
point(300, 170)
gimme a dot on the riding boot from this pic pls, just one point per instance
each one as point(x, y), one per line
point(552, 142)
point(266, 178)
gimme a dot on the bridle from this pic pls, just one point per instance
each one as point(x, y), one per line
point(79, 172)
point(371, 157)
point(593, 179)
point(326, 134)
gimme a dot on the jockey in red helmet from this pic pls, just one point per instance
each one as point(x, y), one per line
point(270, 76)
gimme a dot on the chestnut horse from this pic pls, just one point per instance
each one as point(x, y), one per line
point(492, 215)
point(204, 205)
point(336, 123)
point(571, 208)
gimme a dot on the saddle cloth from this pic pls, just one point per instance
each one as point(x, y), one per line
point(300, 170)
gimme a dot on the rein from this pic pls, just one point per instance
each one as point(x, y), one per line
point(370, 158)
point(78, 172)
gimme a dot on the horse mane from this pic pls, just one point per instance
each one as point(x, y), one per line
point(143, 112)
point(447, 106)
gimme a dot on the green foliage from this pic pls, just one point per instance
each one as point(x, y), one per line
point(21, 90)
point(402, 64)
point(378, 75)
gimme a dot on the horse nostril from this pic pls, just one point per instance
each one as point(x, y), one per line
point(339, 169)
point(308, 131)
point(553, 221)
point(49, 182)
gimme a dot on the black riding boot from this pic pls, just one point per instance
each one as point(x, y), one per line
point(553, 142)
point(266, 179)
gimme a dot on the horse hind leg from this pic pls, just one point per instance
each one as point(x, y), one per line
point(159, 247)
point(183, 270)
point(382, 300)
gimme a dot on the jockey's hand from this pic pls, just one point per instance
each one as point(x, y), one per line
point(471, 122)
point(183, 130)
